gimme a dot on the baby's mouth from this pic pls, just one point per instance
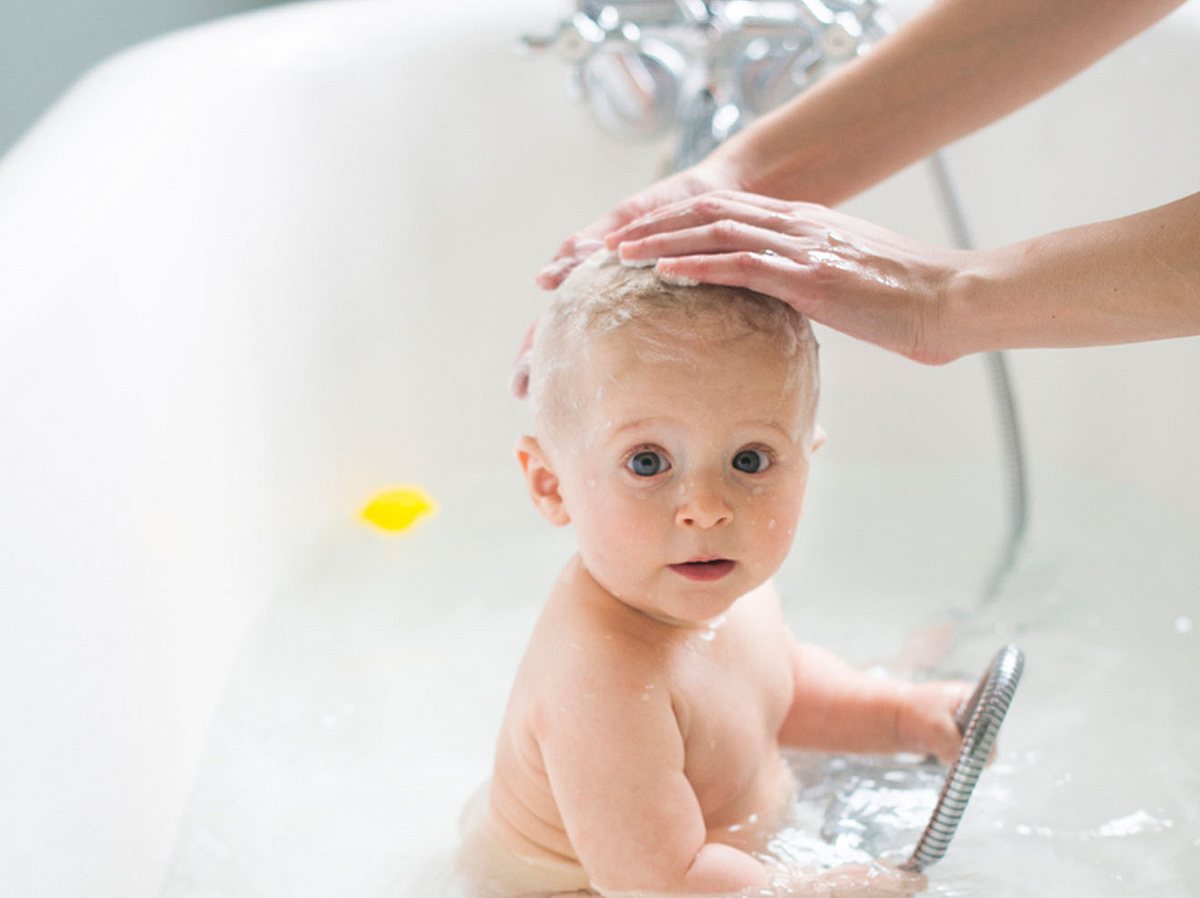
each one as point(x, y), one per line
point(707, 569)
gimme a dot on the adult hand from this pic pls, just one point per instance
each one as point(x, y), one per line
point(714, 173)
point(854, 276)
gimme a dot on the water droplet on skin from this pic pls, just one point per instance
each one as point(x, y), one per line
point(709, 633)
point(771, 524)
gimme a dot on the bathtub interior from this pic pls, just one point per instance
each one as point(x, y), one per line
point(360, 716)
point(262, 268)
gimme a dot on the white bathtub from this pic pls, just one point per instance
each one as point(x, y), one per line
point(254, 271)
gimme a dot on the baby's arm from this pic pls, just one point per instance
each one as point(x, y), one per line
point(616, 767)
point(838, 708)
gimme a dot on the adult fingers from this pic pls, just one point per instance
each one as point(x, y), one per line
point(572, 251)
point(695, 181)
point(707, 208)
point(725, 236)
point(763, 272)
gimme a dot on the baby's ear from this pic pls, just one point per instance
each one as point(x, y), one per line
point(542, 481)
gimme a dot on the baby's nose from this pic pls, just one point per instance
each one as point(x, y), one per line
point(703, 508)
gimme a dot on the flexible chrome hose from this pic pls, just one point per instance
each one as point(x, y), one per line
point(979, 721)
point(1012, 444)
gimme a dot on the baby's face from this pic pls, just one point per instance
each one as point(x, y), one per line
point(685, 478)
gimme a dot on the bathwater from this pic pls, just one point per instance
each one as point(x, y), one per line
point(361, 714)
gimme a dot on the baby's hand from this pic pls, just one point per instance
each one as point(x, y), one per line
point(927, 724)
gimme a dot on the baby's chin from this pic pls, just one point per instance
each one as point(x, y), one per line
point(688, 599)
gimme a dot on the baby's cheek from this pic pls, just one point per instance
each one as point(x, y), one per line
point(626, 528)
point(776, 532)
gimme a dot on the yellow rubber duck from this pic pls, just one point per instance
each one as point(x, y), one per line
point(396, 510)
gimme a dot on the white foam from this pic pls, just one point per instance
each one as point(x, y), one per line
point(638, 263)
point(677, 280)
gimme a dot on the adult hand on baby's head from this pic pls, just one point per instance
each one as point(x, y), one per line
point(852, 275)
point(714, 173)
point(711, 174)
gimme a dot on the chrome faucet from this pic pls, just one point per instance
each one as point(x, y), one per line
point(705, 67)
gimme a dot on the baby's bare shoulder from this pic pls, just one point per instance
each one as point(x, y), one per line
point(583, 632)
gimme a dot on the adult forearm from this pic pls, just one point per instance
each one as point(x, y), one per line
point(955, 67)
point(1122, 281)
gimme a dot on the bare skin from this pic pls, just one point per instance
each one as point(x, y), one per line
point(643, 733)
point(955, 67)
point(1131, 279)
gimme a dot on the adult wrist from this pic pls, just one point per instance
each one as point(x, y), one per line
point(971, 319)
point(728, 165)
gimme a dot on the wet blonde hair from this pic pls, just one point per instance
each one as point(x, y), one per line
point(668, 319)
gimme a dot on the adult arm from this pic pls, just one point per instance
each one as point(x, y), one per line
point(1125, 280)
point(950, 70)
point(953, 68)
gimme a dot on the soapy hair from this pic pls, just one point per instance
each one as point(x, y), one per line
point(669, 318)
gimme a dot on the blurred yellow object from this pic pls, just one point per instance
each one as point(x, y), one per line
point(398, 509)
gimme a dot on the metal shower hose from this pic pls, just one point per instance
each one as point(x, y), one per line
point(979, 720)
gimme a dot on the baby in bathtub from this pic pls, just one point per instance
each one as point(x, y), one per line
point(640, 751)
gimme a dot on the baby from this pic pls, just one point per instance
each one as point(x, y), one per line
point(640, 750)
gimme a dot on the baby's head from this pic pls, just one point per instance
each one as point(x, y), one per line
point(673, 426)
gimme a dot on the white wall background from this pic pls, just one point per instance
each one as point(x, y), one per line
point(44, 47)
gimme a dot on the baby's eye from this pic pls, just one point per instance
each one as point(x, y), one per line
point(751, 461)
point(647, 463)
